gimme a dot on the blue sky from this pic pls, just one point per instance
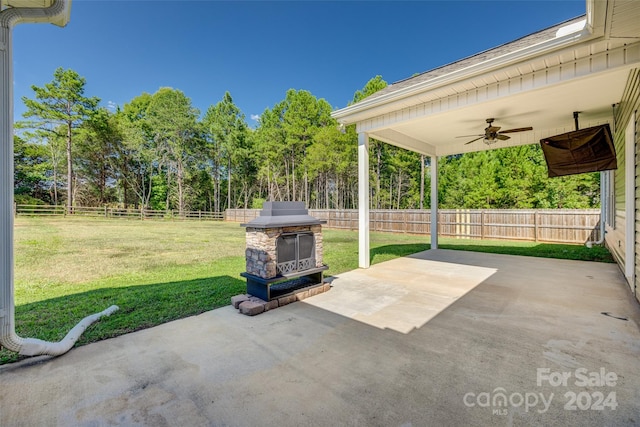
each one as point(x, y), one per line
point(259, 50)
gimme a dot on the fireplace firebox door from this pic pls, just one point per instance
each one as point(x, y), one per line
point(295, 252)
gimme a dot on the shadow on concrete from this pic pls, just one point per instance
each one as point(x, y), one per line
point(142, 305)
point(540, 250)
point(397, 250)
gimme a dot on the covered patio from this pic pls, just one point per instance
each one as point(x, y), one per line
point(437, 338)
point(534, 84)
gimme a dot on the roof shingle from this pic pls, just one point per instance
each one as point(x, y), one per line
point(521, 43)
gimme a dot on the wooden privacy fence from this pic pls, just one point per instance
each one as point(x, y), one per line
point(107, 212)
point(539, 225)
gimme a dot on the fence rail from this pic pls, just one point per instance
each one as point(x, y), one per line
point(108, 212)
point(539, 225)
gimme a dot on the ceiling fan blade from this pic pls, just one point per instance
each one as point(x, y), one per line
point(502, 137)
point(491, 129)
point(474, 140)
point(468, 136)
point(517, 130)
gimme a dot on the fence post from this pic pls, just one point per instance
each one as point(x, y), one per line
point(535, 225)
point(423, 221)
point(482, 212)
point(15, 209)
point(404, 220)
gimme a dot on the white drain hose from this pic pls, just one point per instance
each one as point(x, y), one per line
point(34, 346)
point(58, 13)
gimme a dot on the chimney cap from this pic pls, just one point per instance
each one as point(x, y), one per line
point(283, 214)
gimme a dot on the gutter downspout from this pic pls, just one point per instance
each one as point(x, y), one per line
point(603, 210)
point(57, 13)
point(604, 187)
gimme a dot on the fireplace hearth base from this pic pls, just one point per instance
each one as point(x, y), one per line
point(251, 305)
point(279, 286)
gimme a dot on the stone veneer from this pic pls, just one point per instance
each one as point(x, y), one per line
point(261, 248)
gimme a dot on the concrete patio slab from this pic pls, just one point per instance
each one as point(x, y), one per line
point(438, 338)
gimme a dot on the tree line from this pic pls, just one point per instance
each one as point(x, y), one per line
point(159, 152)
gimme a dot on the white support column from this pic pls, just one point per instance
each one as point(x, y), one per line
point(630, 201)
point(363, 200)
point(434, 202)
point(6, 184)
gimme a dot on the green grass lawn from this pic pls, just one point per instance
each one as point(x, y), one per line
point(157, 271)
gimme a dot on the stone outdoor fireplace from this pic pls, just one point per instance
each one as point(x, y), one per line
point(284, 250)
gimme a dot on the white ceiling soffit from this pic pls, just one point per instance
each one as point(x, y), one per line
point(539, 86)
point(549, 111)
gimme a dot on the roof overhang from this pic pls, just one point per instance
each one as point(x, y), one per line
point(583, 67)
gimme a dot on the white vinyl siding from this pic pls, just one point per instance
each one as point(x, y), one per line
point(626, 120)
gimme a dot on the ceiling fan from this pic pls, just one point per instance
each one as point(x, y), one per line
point(493, 133)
